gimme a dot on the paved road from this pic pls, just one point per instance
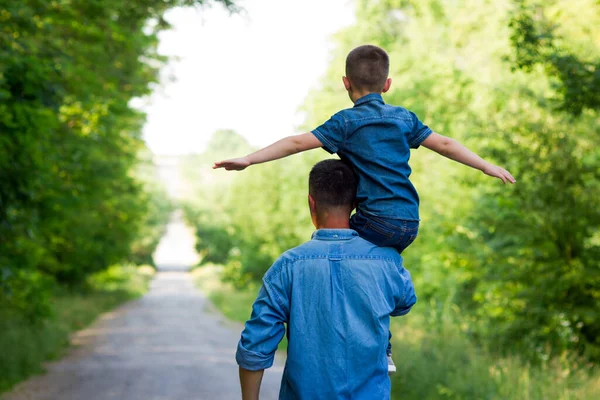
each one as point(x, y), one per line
point(170, 344)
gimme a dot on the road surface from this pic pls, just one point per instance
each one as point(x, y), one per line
point(170, 344)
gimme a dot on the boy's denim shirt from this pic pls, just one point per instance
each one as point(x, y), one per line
point(336, 294)
point(376, 139)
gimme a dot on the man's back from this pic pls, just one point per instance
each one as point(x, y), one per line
point(336, 292)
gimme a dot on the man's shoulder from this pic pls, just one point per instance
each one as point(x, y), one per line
point(356, 247)
point(319, 253)
point(362, 248)
point(308, 250)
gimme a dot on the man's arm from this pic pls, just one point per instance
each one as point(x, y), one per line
point(250, 382)
point(263, 332)
point(282, 148)
point(453, 150)
point(407, 300)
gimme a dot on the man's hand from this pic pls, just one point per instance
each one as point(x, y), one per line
point(235, 164)
point(498, 172)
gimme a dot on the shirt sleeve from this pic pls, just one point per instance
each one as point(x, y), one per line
point(332, 133)
point(265, 328)
point(419, 132)
point(408, 298)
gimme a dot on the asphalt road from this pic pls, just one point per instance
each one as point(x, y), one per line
point(170, 344)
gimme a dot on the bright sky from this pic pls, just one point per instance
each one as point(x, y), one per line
point(248, 72)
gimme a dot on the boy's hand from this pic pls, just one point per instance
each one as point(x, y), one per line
point(455, 151)
point(281, 148)
point(235, 164)
point(500, 173)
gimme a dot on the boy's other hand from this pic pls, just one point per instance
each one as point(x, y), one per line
point(235, 164)
point(498, 172)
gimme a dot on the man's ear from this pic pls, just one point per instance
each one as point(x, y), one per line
point(388, 83)
point(347, 83)
point(312, 204)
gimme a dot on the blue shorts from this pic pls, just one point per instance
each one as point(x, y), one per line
point(396, 233)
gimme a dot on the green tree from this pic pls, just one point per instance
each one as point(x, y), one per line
point(521, 89)
point(69, 141)
point(539, 249)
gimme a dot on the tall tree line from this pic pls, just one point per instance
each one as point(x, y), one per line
point(71, 201)
point(517, 81)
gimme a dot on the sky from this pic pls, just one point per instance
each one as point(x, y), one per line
point(249, 72)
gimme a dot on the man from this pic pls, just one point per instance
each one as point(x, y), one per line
point(336, 294)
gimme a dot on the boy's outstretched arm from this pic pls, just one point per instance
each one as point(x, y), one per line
point(282, 148)
point(453, 150)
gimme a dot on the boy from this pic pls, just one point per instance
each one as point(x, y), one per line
point(375, 138)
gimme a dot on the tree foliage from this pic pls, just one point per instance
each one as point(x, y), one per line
point(537, 40)
point(517, 81)
point(70, 200)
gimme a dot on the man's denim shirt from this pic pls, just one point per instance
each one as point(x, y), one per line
point(376, 139)
point(336, 294)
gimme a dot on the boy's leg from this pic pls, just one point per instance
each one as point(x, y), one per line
point(369, 230)
point(398, 234)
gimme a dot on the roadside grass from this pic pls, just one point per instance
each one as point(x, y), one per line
point(436, 360)
point(25, 345)
point(235, 304)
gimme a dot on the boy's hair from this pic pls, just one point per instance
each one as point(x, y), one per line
point(332, 183)
point(367, 68)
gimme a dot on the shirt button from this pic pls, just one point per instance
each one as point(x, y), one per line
point(335, 236)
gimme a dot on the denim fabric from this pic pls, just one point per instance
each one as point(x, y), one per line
point(336, 294)
point(376, 138)
point(395, 233)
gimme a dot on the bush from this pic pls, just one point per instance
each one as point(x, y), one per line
point(437, 359)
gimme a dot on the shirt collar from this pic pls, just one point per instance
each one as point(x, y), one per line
point(369, 97)
point(334, 234)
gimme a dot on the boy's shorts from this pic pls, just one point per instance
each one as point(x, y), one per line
point(396, 233)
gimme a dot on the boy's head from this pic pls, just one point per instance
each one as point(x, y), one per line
point(331, 190)
point(367, 69)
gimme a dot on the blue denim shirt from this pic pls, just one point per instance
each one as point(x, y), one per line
point(376, 139)
point(336, 294)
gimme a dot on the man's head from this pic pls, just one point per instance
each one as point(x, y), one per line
point(331, 193)
point(367, 69)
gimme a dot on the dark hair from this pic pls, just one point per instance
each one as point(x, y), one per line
point(332, 183)
point(367, 68)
